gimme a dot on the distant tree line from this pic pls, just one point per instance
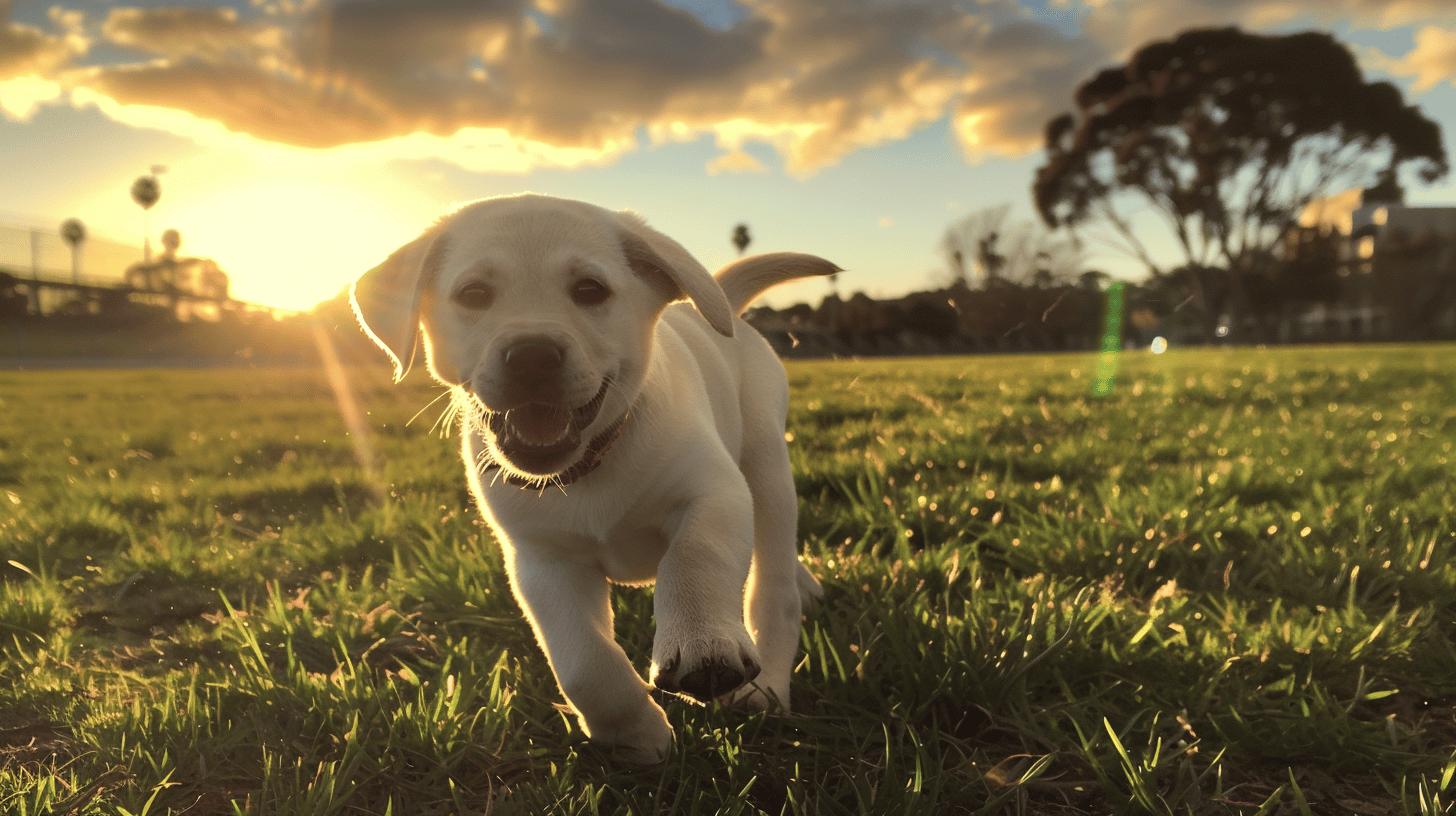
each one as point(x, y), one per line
point(1218, 141)
point(1212, 143)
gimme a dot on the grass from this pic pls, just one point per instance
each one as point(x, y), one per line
point(1226, 588)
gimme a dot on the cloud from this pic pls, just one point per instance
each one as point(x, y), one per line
point(477, 149)
point(1432, 61)
point(206, 33)
point(22, 96)
point(1005, 112)
point(26, 50)
point(509, 85)
point(1124, 24)
point(367, 71)
point(735, 161)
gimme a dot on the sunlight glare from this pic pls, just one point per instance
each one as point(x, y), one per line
point(293, 242)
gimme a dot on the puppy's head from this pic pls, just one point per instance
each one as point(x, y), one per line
point(539, 312)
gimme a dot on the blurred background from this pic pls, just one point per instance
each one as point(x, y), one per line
point(186, 181)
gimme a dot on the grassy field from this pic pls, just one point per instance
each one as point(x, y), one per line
point(1226, 588)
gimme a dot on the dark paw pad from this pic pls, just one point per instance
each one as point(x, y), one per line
point(714, 679)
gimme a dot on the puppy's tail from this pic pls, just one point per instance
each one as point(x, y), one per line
point(746, 278)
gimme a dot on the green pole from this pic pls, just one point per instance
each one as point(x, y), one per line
point(1106, 378)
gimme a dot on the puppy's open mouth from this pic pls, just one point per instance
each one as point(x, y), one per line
point(537, 437)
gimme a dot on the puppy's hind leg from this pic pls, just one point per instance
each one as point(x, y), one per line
point(775, 598)
point(811, 592)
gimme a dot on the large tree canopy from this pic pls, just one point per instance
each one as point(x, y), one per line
point(1225, 137)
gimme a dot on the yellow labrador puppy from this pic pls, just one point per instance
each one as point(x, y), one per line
point(611, 435)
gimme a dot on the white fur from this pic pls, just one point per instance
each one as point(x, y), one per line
point(696, 494)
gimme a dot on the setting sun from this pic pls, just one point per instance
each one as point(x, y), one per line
point(292, 242)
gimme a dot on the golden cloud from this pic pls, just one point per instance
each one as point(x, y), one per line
point(211, 34)
point(1432, 61)
point(512, 84)
point(26, 50)
point(1122, 25)
point(735, 161)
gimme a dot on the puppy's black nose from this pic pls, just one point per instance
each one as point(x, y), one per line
point(534, 358)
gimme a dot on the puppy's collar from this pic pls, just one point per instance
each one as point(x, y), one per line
point(595, 451)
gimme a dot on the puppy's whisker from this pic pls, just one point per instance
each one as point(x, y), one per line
point(442, 423)
point(443, 394)
point(646, 413)
point(455, 416)
point(452, 410)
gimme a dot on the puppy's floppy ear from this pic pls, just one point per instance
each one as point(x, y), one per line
point(386, 299)
point(666, 264)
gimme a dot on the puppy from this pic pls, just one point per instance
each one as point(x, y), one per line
point(611, 435)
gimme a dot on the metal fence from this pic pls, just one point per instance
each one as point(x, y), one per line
point(41, 253)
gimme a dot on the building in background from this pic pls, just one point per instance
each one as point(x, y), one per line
point(36, 278)
point(1394, 270)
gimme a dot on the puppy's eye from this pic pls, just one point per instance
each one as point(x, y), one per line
point(589, 292)
point(474, 296)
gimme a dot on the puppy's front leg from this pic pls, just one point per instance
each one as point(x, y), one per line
point(569, 606)
point(701, 647)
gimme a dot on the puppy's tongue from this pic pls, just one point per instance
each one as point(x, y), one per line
point(538, 424)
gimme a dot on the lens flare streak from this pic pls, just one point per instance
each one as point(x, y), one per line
point(1106, 379)
point(343, 391)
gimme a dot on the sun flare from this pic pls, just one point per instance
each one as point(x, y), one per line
point(293, 242)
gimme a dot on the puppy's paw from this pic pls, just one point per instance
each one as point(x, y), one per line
point(761, 695)
point(644, 740)
point(701, 666)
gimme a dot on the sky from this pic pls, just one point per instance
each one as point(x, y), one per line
point(304, 139)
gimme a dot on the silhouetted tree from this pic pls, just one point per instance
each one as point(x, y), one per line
point(1308, 269)
point(1386, 190)
point(1001, 252)
point(970, 244)
point(145, 191)
point(1031, 255)
point(73, 232)
point(930, 316)
point(741, 238)
point(1227, 136)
